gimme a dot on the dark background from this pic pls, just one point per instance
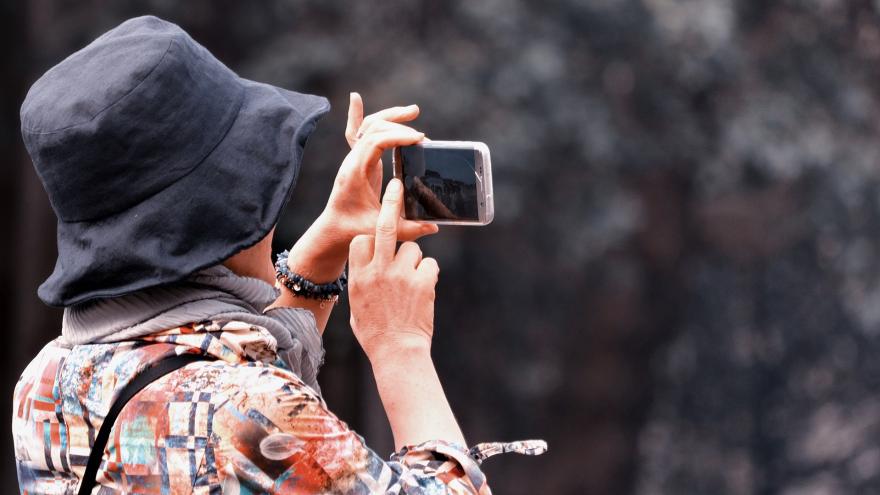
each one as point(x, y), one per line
point(680, 290)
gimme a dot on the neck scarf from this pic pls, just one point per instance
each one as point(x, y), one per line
point(213, 294)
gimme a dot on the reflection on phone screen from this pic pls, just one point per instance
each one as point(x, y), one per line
point(439, 183)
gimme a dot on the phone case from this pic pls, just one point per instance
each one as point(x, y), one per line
point(484, 178)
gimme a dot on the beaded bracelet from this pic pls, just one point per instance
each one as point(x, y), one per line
point(302, 287)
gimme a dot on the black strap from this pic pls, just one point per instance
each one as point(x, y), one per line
point(158, 370)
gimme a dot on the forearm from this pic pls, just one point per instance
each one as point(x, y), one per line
point(320, 256)
point(413, 397)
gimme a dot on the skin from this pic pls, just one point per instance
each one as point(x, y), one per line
point(391, 291)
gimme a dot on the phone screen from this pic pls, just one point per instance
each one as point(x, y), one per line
point(440, 183)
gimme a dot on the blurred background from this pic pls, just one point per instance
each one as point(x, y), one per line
point(681, 288)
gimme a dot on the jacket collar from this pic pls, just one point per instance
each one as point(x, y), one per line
point(215, 297)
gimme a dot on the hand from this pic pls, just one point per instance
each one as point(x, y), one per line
point(391, 294)
point(354, 201)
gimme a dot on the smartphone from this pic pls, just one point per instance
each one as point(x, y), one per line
point(446, 182)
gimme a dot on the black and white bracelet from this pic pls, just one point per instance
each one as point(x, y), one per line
point(302, 287)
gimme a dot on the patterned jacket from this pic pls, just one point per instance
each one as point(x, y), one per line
point(238, 423)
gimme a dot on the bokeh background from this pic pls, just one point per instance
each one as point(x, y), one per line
point(681, 288)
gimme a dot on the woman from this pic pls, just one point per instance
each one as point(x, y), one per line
point(167, 173)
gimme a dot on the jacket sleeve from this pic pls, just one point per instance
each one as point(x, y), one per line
point(272, 434)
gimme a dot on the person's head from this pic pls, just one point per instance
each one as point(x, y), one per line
point(159, 161)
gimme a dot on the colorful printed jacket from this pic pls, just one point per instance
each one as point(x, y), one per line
point(235, 424)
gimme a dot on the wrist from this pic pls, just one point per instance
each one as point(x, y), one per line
point(320, 254)
point(336, 229)
point(300, 286)
point(399, 351)
point(334, 237)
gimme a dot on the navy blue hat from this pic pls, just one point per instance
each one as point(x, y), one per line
point(158, 160)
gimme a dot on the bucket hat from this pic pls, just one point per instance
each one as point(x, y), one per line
point(158, 160)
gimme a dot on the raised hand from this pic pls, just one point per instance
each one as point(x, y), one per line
point(391, 290)
point(354, 201)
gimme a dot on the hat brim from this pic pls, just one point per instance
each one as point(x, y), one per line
point(227, 203)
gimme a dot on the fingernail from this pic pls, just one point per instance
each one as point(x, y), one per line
point(394, 186)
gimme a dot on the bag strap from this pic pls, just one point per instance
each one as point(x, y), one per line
point(158, 370)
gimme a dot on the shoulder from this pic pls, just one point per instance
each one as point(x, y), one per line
point(268, 429)
point(202, 422)
point(220, 383)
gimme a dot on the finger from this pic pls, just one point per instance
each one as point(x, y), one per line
point(409, 254)
point(355, 117)
point(360, 251)
point(393, 114)
point(386, 223)
point(377, 126)
point(429, 268)
point(396, 114)
point(410, 230)
point(370, 148)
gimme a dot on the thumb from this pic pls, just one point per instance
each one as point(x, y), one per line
point(410, 230)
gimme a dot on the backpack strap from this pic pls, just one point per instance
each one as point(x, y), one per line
point(153, 373)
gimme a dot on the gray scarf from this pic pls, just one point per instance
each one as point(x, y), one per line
point(215, 293)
